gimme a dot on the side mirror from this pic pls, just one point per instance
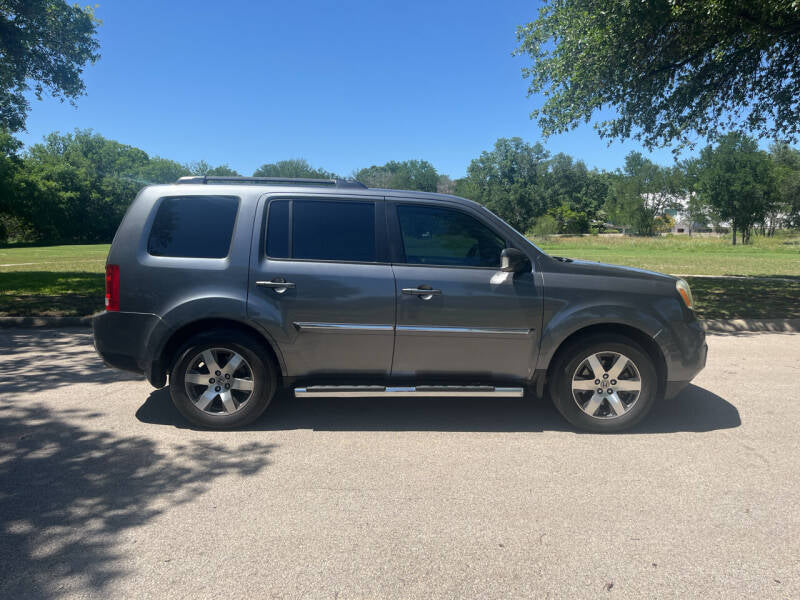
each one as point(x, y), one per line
point(514, 261)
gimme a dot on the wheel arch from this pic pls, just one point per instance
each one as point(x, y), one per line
point(173, 342)
point(637, 335)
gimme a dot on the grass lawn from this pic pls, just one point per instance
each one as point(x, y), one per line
point(52, 280)
point(684, 255)
point(68, 280)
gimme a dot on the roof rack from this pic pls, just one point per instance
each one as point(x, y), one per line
point(339, 183)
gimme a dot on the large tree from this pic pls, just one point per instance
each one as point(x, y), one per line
point(77, 186)
point(401, 175)
point(736, 180)
point(668, 69)
point(293, 167)
point(643, 192)
point(44, 45)
point(509, 181)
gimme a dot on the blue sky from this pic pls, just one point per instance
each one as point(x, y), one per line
point(341, 84)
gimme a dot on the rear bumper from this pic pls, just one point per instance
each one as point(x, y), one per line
point(121, 339)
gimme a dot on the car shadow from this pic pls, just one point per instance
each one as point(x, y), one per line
point(695, 409)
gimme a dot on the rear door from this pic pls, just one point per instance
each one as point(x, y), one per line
point(458, 315)
point(321, 284)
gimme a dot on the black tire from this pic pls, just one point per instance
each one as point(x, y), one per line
point(571, 358)
point(257, 362)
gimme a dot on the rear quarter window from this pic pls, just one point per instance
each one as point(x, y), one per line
point(193, 226)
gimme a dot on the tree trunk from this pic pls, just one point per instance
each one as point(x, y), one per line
point(733, 229)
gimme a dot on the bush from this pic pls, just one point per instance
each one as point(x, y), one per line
point(544, 227)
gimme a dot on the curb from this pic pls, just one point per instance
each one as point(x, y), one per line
point(41, 322)
point(751, 325)
point(712, 326)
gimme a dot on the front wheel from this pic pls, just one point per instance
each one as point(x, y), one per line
point(605, 383)
point(222, 381)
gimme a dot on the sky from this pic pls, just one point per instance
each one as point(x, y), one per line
point(342, 84)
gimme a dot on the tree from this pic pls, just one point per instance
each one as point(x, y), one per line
point(667, 68)
point(574, 194)
point(44, 44)
point(161, 170)
point(736, 181)
point(201, 167)
point(294, 167)
point(786, 170)
point(642, 192)
point(77, 186)
point(445, 185)
point(404, 175)
point(509, 181)
point(10, 164)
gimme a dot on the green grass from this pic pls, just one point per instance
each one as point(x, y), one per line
point(68, 280)
point(52, 280)
point(684, 255)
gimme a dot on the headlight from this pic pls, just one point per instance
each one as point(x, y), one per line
point(685, 292)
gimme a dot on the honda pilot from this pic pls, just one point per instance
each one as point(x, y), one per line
point(231, 289)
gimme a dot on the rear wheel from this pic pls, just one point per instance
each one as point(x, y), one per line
point(222, 380)
point(604, 383)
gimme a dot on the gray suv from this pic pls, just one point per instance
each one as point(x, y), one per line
point(234, 288)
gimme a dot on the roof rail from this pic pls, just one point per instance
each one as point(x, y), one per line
point(339, 183)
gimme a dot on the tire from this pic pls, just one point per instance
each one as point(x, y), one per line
point(602, 407)
point(212, 390)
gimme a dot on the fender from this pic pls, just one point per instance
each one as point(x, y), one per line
point(573, 318)
point(223, 308)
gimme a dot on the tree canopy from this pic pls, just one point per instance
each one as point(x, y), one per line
point(401, 175)
point(736, 181)
point(294, 167)
point(44, 44)
point(668, 69)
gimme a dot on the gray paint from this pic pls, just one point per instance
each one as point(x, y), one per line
point(351, 321)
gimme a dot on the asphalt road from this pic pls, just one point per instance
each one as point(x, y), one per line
point(105, 493)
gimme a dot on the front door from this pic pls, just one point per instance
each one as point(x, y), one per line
point(458, 315)
point(320, 284)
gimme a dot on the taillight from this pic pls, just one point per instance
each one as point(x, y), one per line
point(112, 287)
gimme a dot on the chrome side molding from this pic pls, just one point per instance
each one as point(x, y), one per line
point(340, 327)
point(427, 391)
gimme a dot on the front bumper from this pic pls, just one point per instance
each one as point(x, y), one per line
point(674, 387)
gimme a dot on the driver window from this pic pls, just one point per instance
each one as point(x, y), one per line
point(440, 236)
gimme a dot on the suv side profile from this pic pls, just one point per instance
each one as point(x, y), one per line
point(234, 288)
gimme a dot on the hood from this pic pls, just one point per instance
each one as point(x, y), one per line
point(587, 267)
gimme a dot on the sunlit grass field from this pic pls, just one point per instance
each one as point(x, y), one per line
point(685, 255)
point(68, 280)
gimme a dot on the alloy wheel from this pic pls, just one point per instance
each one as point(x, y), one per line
point(606, 385)
point(219, 381)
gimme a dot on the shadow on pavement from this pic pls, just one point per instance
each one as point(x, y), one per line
point(53, 358)
point(68, 493)
point(695, 409)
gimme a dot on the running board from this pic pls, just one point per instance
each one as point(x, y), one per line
point(428, 391)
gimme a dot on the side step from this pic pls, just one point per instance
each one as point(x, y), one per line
point(428, 391)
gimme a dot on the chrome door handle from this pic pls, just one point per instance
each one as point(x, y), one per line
point(424, 293)
point(279, 285)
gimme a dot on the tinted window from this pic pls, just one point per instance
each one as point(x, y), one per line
point(193, 226)
point(333, 230)
point(439, 236)
point(278, 229)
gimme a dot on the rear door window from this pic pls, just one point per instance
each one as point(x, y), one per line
point(193, 226)
point(321, 230)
